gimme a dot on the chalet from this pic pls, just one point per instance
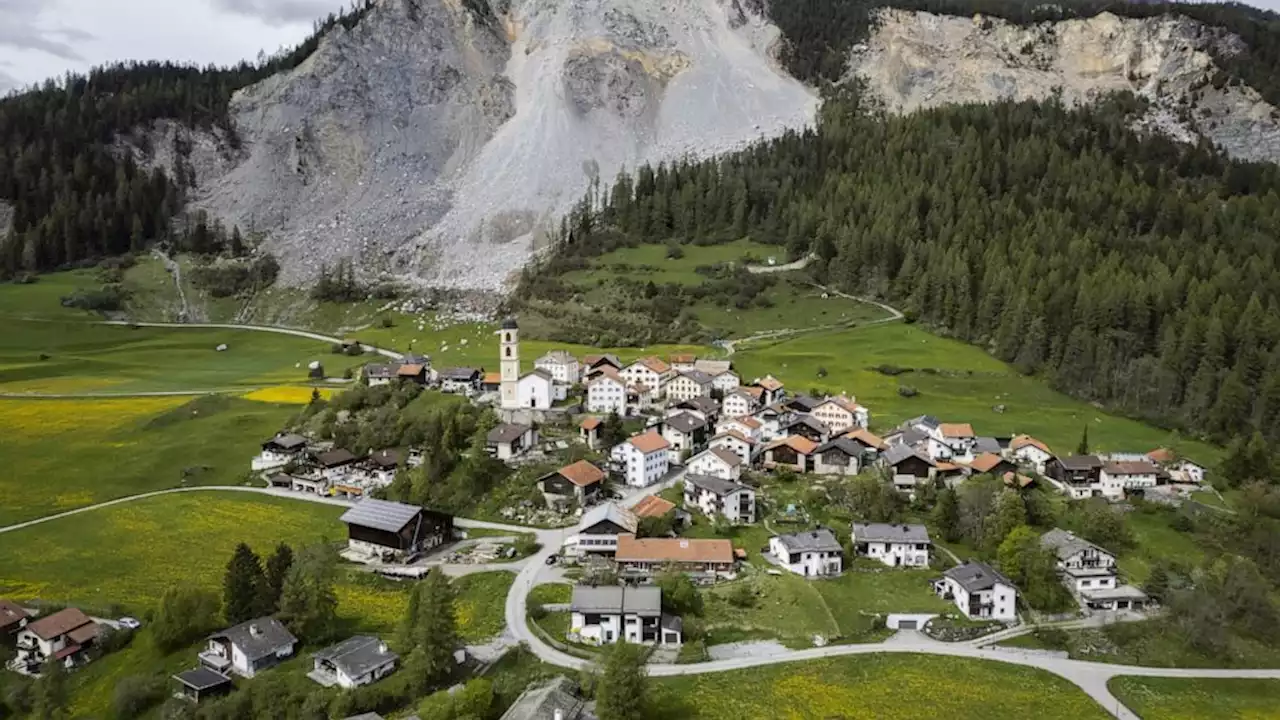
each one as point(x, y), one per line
point(460, 380)
point(893, 545)
point(1120, 477)
point(1026, 450)
point(562, 365)
point(840, 456)
point(589, 431)
point(381, 466)
point(908, 468)
point(991, 464)
point(249, 648)
point(1179, 469)
point(1080, 474)
point(607, 393)
point(719, 462)
point(683, 362)
point(615, 613)
point(688, 385)
point(201, 683)
point(581, 481)
point(739, 403)
point(12, 619)
point(356, 661)
point(703, 406)
point(812, 553)
point(736, 443)
point(417, 373)
point(702, 559)
point(772, 389)
point(65, 637)
point(511, 440)
point(979, 591)
point(392, 530)
point(650, 371)
point(379, 374)
point(686, 433)
point(600, 529)
point(334, 465)
point(841, 414)
point(717, 498)
point(792, 452)
point(491, 382)
point(725, 381)
point(279, 451)
point(806, 426)
point(557, 699)
point(642, 460)
point(1090, 572)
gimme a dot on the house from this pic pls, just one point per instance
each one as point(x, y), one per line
point(334, 465)
point(582, 481)
point(1090, 572)
point(806, 426)
point(744, 425)
point(557, 699)
point(683, 362)
point(703, 559)
point(414, 372)
point(356, 661)
point(460, 380)
point(654, 506)
point(713, 367)
point(249, 648)
point(725, 381)
point(739, 403)
point(801, 404)
point(642, 460)
point(594, 364)
point(718, 462)
point(392, 530)
point(614, 613)
point(315, 484)
point(279, 451)
point(812, 553)
point(200, 683)
point(1081, 475)
point(378, 374)
point(869, 441)
point(649, 371)
point(959, 438)
point(893, 545)
point(64, 637)
point(1180, 470)
point(841, 456)
point(979, 591)
point(771, 418)
point(718, 498)
point(511, 440)
point(491, 382)
point(703, 406)
point(589, 431)
point(1120, 477)
point(562, 365)
point(686, 433)
point(381, 466)
point(688, 385)
point(841, 414)
point(792, 452)
point(771, 388)
point(538, 390)
point(908, 436)
point(991, 464)
point(1026, 450)
point(736, 443)
point(600, 528)
point(607, 393)
point(12, 619)
point(908, 467)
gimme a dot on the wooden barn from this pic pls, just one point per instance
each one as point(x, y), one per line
point(392, 530)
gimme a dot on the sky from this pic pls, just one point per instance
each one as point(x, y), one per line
point(46, 38)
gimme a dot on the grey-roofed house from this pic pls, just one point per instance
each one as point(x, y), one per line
point(376, 374)
point(841, 456)
point(907, 466)
point(807, 426)
point(461, 380)
point(279, 451)
point(201, 682)
point(556, 699)
point(356, 661)
point(391, 530)
point(611, 613)
point(983, 444)
point(979, 591)
point(249, 648)
point(705, 406)
point(600, 527)
point(717, 497)
point(1090, 572)
point(802, 403)
point(686, 433)
point(511, 440)
point(892, 544)
point(687, 385)
point(812, 553)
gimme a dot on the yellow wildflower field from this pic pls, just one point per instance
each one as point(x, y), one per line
point(65, 385)
point(287, 394)
point(33, 419)
point(1199, 698)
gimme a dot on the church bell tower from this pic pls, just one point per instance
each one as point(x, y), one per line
point(509, 362)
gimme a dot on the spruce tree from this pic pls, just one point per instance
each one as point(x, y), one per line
point(1083, 447)
point(242, 586)
point(308, 603)
point(946, 514)
point(623, 693)
point(433, 630)
point(276, 571)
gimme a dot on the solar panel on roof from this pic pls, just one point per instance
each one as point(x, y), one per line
point(381, 514)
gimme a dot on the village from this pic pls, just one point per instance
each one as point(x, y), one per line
point(697, 478)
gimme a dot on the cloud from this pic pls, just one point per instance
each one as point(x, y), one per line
point(275, 12)
point(21, 29)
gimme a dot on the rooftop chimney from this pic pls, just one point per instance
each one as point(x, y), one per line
point(559, 715)
point(254, 630)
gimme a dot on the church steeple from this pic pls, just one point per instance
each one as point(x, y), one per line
point(509, 362)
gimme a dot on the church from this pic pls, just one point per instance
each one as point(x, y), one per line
point(536, 390)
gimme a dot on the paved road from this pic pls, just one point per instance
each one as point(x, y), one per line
point(151, 393)
point(257, 328)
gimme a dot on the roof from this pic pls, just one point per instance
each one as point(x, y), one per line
point(387, 458)
point(803, 401)
point(380, 514)
point(974, 576)
point(558, 356)
point(844, 445)
point(886, 532)
point(366, 716)
point(818, 540)
point(1162, 455)
point(411, 370)
point(866, 437)
point(1066, 543)
point(1130, 467)
point(510, 324)
point(288, 441)
point(357, 655)
point(956, 430)
point(735, 435)
point(899, 453)
point(802, 445)
point(541, 702)
point(377, 371)
point(698, 376)
point(84, 633)
point(335, 457)
point(808, 421)
point(609, 373)
point(652, 506)
point(539, 373)
point(11, 613)
point(201, 678)
point(415, 359)
point(610, 512)
point(841, 402)
point(685, 422)
point(715, 485)
point(507, 432)
point(591, 422)
point(730, 458)
point(746, 421)
point(714, 367)
point(258, 638)
point(928, 421)
point(1021, 441)
point(986, 462)
point(655, 364)
point(616, 599)
point(59, 623)
point(1011, 478)
point(1080, 462)
point(460, 374)
point(683, 359)
point(582, 473)
point(769, 382)
point(911, 437)
point(702, 403)
point(688, 550)
point(755, 392)
point(593, 360)
point(984, 444)
point(492, 378)
point(649, 442)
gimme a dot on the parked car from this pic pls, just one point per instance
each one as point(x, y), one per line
point(130, 623)
point(551, 559)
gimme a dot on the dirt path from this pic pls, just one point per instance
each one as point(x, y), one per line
point(175, 270)
point(731, 346)
point(258, 328)
point(800, 264)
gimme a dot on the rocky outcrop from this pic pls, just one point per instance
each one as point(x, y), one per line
point(914, 60)
point(6, 219)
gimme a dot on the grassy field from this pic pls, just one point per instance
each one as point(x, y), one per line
point(955, 381)
point(783, 606)
point(650, 262)
point(879, 686)
point(791, 308)
point(550, 593)
point(1198, 699)
point(1156, 540)
point(855, 597)
point(64, 454)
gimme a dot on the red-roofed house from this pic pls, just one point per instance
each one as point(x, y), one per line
point(643, 459)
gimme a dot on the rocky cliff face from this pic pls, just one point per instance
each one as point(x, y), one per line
point(438, 139)
point(914, 60)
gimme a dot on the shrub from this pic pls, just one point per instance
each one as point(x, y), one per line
point(537, 611)
point(386, 321)
point(675, 252)
point(137, 694)
point(907, 391)
point(108, 298)
point(822, 371)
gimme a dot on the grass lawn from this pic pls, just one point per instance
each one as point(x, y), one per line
point(956, 381)
point(1198, 699)
point(64, 454)
point(784, 606)
point(878, 686)
point(556, 624)
point(793, 308)
point(855, 597)
point(551, 593)
point(481, 604)
point(1156, 540)
point(650, 262)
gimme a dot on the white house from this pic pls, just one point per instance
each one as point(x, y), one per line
point(642, 460)
point(380, 374)
point(611, 613)
point(683, 362)
point(686, 434)
point(812, 553)
point(651, 372)
point(841, 456)
point(562, 365)
point(771, 419)
point(744, 425)
point(720, 462)
point(1119, 477)
point(511, 440)
point(63, 636)
point(1026, 450)
point(356, 661)
point(979, 591)
point(600, 527)
point(249, 648)
point(739, 403)
point(772, 389)
point(537, 390)
point(841, 414)
point(688, 385)
point(736, 443)
point(607, 393)
point(1181, 470)
point(1090, 572)
point(893, 545)
point(719, 498)
point(726, 381)
point(460, 380)
point(278, 452)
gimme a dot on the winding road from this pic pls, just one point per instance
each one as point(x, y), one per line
point(257, 328)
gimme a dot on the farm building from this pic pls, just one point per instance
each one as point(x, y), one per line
point(380, 528)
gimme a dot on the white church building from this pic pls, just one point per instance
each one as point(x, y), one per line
point(536, 390)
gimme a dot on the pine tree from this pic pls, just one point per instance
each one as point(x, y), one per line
point(1157, 584)
point(1010, 512)
point(432, 630)
point(242, 586)
point(308, 603)
point(946, 515)
point(276, 571)
point(1083, 447)
point(623, 693)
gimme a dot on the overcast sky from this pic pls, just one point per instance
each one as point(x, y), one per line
point(43, 38)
